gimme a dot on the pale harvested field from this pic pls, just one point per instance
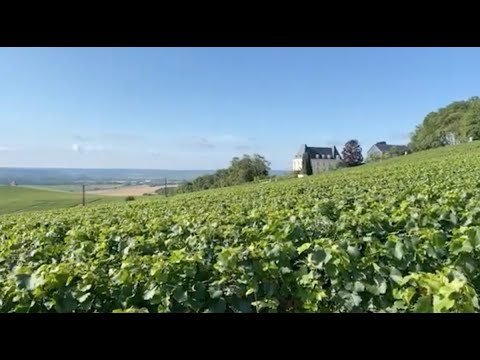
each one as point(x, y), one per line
point(128, 191)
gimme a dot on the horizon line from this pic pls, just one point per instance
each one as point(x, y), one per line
point(101, 168)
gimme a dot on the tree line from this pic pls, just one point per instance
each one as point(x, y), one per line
point(256, 167)
point(455, 123)
point(241, 170)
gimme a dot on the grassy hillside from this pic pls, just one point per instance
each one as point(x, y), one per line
point(402, 235)
point(19, 199)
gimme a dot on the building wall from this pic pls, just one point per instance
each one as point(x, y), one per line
point(319, 165)
point(374, 151)
point(297, 164)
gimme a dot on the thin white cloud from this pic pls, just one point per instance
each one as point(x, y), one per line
point(155, 154)
point(122, 138)
point(5, 148)
point(205, 143)
point(81, 138)
point(77, 148)
point(243, 147)
point(84, 148)
point(222, 142)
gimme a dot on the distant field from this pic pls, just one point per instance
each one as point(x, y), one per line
point(128, 190)
point(20, 199)
point(73, 188)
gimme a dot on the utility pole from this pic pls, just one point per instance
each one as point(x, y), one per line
point(83, 194)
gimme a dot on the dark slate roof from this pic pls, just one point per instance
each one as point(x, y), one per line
point(384, 147)
point(314, 151)
point(336, 153)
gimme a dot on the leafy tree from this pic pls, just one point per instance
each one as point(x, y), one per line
point(307, 165)
point(352, 153)
point(246, 169)
point(472, 120)
point(241, 170)
point(460, 118)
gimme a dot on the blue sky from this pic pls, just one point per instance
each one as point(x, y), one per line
point(196, 108)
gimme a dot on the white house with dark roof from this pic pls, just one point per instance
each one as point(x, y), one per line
point(322, 158)
point(380, 148)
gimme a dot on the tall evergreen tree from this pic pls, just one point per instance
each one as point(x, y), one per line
point(306, 164)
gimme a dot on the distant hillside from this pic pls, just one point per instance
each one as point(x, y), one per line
point(462, 118)
point(46, 176)
point(19, 199)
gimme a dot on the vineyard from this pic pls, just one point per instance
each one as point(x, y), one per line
point(402, 235)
